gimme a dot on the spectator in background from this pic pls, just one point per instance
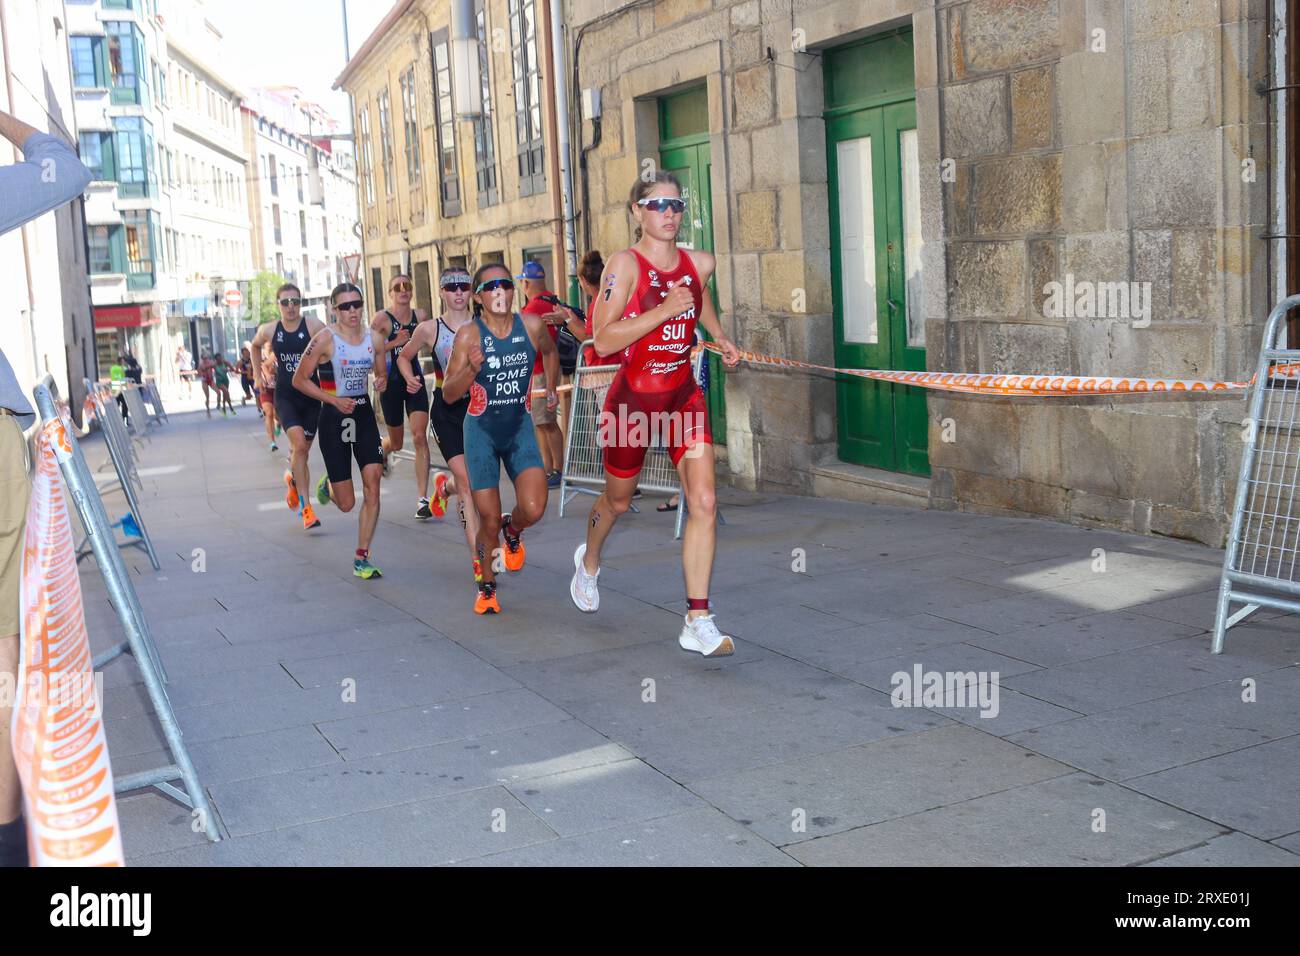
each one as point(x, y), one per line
point(131, 372)
point(119, 373)
point(590, 270)
point(589, 273)
point(49, 176)
point(206, 366)
point(245, 367)
point(566, 317)
point(185, 367)
point(134, 373)
point(550, 440)
point(221, 384)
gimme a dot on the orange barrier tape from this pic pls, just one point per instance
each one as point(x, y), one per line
point(539, 392)
point(58, 731)
point(1040, 385)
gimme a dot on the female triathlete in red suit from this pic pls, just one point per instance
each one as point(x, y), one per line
point(650, 300)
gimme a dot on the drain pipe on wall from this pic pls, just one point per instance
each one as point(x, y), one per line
point(561, 116)
point(1276, 109)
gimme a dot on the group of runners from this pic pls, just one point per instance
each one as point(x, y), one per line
point(486, 353)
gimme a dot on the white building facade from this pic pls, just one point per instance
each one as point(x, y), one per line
point(204, 168)
point(45, 310)
point(117, 53)
point(302, 194)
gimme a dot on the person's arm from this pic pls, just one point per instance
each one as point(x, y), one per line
point(564, 317)
point(613, 333)
point(49, 176)
point(255, 348)
point(704, 265)
point(15, 130)
point(319, 349)
point(404, 364)
point(380, 369)
point(466, 359)
point(550, 355)
point(381, 323)
point(577, 326)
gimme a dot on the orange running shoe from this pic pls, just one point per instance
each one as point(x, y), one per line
point(309, 519)
point(291, 496)
point(486, 602)
point(514, 556)
point(438, 503)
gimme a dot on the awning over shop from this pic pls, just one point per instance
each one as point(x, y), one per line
point(128, 316)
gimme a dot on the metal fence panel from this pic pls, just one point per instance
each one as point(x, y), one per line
point(128, 479)
point(1259, 563)
point(154, 398)
point(584, 462)
point(139, 642)
point(135, 405)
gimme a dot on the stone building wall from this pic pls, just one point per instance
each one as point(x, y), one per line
point(769, 184)
point(407, 227)
point(1109, 157)
point(1101, 141)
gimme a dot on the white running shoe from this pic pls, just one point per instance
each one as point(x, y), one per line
point(702, 636)
point(583, 588)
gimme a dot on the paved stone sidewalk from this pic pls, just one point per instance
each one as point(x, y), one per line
point(526, 739)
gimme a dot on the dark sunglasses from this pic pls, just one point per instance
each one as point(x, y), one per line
point(456, 287)
point(348, 306)
point(290, 301)
point(401, 287)
point(493, 284)
point(663, 204)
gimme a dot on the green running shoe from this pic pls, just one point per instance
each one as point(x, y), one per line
point(362, 568)
point(323, 490)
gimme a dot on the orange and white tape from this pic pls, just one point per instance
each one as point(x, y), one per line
point(983, 383)
point(58, 730)
point(989, 384)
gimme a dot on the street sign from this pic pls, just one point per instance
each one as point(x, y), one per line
point(234, 297)
point(351, 265)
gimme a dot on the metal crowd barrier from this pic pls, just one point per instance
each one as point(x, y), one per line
point(1259, 564)
point(139, 641)
point(154, 398)
point(141, 420)
point(115, 424)
point(121, 454)
point(584, 462)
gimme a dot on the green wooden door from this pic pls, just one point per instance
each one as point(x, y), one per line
point(684, 152)
point(876, 250)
